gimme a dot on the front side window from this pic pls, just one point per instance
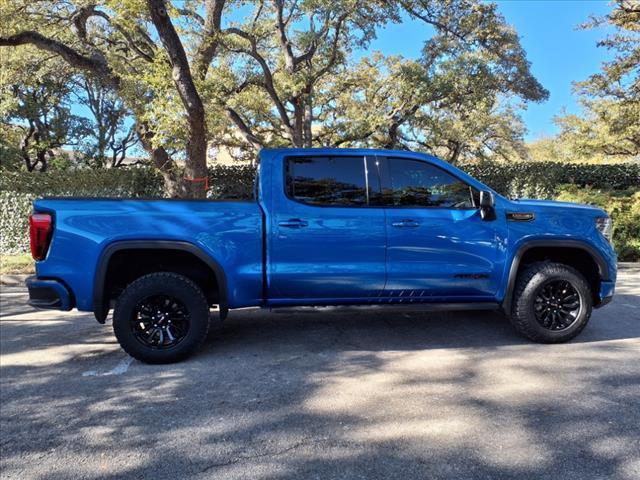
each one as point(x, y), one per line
point(413, 183)
point(338, 181)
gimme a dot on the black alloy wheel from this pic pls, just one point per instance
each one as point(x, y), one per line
point(160, 321)
point(161, 317)
point(557, 305)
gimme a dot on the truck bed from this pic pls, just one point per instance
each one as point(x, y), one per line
point(229, 231)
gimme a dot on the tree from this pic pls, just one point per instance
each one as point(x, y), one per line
point(276, 72)
point(10, 154)
point(549, 148)
point(39, 108)
point(299, 86)
point(450, 110)
point(277, 59)
point(610, 98)
point(109, 137)
point(113, 42)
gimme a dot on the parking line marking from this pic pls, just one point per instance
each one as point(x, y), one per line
point(119, 369)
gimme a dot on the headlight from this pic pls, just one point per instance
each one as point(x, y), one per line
point(604, 226)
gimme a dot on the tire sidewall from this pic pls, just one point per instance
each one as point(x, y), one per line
point(157, 284)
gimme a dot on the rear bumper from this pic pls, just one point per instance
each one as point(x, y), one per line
point(48, 294)
point(607, 289)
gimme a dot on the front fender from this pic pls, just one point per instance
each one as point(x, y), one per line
point(511, 274)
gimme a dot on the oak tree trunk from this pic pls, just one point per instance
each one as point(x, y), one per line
point(195, 171)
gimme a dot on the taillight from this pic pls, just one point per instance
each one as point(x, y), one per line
point(40, 228)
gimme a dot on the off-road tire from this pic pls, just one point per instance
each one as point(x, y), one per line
point(158, 284)
point(528, 285)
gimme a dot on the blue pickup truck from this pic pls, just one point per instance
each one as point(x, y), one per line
point(325, 227)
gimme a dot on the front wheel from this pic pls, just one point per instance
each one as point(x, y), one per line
point(161, 318)
point(552, 303)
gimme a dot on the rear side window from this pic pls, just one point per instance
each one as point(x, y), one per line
point(419, 184)
point(338, 181)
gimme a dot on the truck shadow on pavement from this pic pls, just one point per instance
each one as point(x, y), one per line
point(326, 395)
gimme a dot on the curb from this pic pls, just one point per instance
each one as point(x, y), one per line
point(629, 266)
point(13, 280)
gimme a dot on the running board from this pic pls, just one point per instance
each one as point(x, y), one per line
point(413, 307)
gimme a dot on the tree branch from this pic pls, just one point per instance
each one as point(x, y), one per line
point(268, 76)
point(83, 14)
point(289, 58)
point(244, 129)
point(178, 59)
point(209, 45)
point(96, 63)
point(334, 48)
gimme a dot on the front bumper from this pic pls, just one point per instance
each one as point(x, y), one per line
point(48, 294)
point(607, 289)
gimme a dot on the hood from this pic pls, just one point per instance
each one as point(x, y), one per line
point(525, 202)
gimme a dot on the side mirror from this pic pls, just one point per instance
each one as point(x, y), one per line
point(487, 206)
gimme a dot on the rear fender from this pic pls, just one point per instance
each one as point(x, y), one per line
point(101, 304)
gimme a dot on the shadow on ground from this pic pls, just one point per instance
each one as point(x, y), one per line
point(326, 395)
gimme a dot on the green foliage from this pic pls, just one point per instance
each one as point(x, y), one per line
point(134, 182)
point(10, 156)
point(37, 107)
point(227, 182)
point(624, 208)
point(609, 124)
point(541, 179)
point(14, 209)
point(455, 101)
point(108, 138)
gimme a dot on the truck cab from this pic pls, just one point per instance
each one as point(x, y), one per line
point(326, 227)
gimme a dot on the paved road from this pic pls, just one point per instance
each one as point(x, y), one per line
point(324, 395)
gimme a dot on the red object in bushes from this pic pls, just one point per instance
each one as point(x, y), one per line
point(40, 228)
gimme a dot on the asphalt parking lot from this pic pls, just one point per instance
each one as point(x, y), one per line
point(324, 395)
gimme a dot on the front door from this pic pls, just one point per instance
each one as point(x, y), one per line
point(438, 246)
point(326, 240)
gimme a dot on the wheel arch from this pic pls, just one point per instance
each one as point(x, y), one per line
point(550, 245)
point(100, 300)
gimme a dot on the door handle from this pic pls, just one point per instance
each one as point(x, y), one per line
point(406, 223)
point(293, 223)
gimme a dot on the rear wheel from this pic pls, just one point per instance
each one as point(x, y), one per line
point(161, 318)
point(552, 303)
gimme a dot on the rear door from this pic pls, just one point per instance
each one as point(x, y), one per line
point(438, 245)
point(327, 241)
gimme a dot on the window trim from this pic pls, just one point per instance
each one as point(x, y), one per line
point(385, 181)
point(369, 191)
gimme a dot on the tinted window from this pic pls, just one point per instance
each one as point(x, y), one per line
point(327, 180)
point(419, 184)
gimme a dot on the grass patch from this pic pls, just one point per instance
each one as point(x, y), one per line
point(21, 263)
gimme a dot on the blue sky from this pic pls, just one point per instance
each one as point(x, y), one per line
point(559, 52)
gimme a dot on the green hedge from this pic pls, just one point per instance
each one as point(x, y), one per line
point(133, 182)
point(14, 226)
point(542, 179)
point(534, 180)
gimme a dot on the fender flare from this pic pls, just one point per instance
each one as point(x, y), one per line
point(603, 268)
point(101, 307)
